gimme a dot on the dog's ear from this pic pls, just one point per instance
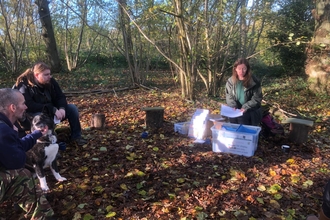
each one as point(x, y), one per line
point(48, 110)
point(29, 117)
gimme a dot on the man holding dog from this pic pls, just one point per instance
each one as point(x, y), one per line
point(41, 91)
point(16, 182)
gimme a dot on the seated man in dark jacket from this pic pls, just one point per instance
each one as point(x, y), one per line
point(17, 183)
point(41, 91)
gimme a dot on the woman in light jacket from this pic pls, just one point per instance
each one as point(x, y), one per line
point(243, 91)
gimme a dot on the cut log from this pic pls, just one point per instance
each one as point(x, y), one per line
point(154, 117)
point(299, 129)
point(98, 120)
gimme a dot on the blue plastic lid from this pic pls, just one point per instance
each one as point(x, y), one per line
point(240, 128)
point(244, 129)
point(228, 128)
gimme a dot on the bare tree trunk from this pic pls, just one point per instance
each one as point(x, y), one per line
point(13, 40)
point(73, 57)
point(48, 35)
point(210, 79)
point(242, 28)
point(185, 53)
point(127, 38)
point(317, 64)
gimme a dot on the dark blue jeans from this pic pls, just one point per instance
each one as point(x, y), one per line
point(72, 114)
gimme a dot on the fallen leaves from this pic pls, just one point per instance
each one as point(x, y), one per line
point(121, 175)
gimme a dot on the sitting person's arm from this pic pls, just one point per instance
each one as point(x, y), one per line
point(13, 151)
point(59, 97)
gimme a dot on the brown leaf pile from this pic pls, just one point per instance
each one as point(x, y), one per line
point(120, 175)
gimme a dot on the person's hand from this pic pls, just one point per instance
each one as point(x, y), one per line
point(243, 110)
point(63, 113)
point(60, 114)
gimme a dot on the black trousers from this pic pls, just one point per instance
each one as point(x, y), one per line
point(326, 200)
point(250, 117)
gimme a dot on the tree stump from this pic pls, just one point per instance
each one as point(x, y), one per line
point(299, 129)
point(154, 117)
point(98, 120)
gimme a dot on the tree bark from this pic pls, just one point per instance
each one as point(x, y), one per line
point(187, 72)
point(14, 34)
point(128, 43)
point(317, 64)
point(48, 35)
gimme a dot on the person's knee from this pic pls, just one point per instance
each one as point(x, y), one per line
point(22, 174)
point(72, 111)
point(25, 173)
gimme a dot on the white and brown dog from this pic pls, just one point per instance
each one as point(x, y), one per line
point(44, 152)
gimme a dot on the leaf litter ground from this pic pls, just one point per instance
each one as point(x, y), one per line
point(119, 175)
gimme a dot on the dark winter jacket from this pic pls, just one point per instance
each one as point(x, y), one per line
point(253, 98)
point(253, 95)
point(13, 148)
point(38, 97)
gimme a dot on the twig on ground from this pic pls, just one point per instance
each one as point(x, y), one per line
point(156, 88)
point(145, 87)
point(115, 93)
point(278, 107)
point(77, 93)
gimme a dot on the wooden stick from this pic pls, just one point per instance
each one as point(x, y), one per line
point(278, 107)
point(145, 87)
point(76, 93)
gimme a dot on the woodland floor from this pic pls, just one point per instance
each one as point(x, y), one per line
point(119, 175)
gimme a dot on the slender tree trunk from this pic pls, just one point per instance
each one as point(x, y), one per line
point(14, 34)
point(127, 38)
point(48, 35)
point(243, 29)
point(185, 53)
point(73, 57)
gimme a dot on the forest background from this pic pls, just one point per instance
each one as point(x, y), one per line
point(178, 54)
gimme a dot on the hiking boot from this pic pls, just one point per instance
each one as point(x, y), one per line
point(62, 146)
point(80, 141)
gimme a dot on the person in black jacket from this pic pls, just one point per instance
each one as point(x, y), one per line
point(16, 182)
point(41, 91)
point(243, 91)
point(324, 213)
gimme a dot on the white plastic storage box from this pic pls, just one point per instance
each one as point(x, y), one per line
point(197, 128)
point(182, 127)
point(236, 139)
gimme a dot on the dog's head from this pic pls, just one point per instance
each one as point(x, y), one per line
point(41, 121)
